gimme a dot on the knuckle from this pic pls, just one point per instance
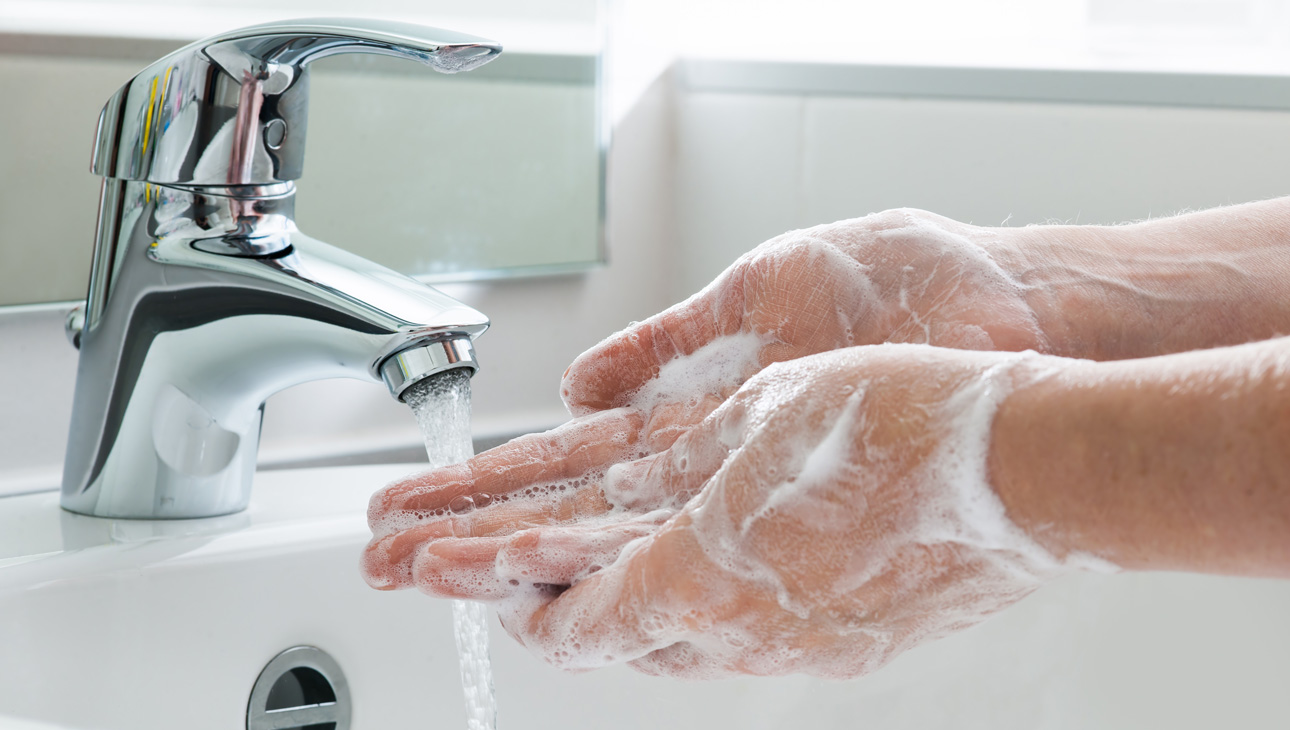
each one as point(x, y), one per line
point(909, 215)
point(897, 218)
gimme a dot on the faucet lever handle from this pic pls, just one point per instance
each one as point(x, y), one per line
point(231, 110)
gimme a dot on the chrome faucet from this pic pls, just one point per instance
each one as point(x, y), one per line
point(204, 299)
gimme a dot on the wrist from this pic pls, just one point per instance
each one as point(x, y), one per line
point(1196, 281)
point(1167, 463)
point(1059, 271)
point(1041, 492)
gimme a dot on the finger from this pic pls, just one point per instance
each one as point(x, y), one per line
point(563, 455)
point(568, 555)
point(670, 420)
point(616, 615)
point(387, 560)
point(461, 568)
point(670, 478)
point(533, 510)
point(609, 373)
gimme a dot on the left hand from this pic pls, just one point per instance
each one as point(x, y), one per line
point(897, 276)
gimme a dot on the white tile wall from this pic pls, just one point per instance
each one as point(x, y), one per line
point(986, 162)
point(738, 178)
point(752, 166)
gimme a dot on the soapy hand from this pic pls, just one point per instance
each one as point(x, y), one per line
point(898, 276)
point(829, 515)
point(708, 513)
point(562, 505)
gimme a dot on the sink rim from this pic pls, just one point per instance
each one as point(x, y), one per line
point(298, 506)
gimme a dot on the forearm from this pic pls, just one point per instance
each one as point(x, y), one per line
point(1171, 463)
point(1209, 279)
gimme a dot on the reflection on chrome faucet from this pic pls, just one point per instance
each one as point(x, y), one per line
point(204, 297)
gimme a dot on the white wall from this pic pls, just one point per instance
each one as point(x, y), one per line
point(751, 166)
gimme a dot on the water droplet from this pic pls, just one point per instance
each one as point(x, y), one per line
point(462, 504)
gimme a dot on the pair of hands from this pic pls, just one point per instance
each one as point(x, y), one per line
point(752, 481)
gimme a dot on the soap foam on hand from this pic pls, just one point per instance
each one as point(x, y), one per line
point(673, 462)
point(849, 520)
point(840, 500)
point(559, 477)
point(717, 368)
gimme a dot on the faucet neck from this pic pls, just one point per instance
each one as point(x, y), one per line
point(241, 220)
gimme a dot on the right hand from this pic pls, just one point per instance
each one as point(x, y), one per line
point(900, 276)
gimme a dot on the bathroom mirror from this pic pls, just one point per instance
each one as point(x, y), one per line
point(492, 173)
point(488, 173)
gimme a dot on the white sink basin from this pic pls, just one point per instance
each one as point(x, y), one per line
point(129, 625)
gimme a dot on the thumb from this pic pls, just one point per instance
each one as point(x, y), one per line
point(607, 375)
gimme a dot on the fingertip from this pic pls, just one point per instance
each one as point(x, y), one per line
point(382, 572)
point(627, 485)
point(521, 543)
point(604, 376)
point(376, 578)
point(507, 627)
point(377, 507)
point(608, 374)
point(383, 501)
point(387, 559)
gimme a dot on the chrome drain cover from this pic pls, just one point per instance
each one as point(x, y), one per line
point(303, 688)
